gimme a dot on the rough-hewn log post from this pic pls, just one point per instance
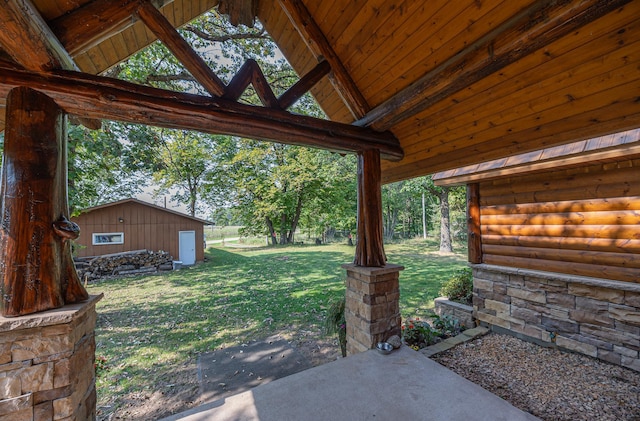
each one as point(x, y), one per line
point(36, 266)
point(369, 248)
point(473, 223)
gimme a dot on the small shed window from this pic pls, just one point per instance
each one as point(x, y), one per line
point(104, 238)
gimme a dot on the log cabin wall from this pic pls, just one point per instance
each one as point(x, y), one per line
point(144, 227)
point(582, 221)
point(561, 259)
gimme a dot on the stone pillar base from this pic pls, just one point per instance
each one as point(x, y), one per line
point(372, 308)
point(47, 364)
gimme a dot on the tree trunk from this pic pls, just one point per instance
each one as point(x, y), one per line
point(445, 221)
point(36, 266)
point(296, 218)
point(272, 232)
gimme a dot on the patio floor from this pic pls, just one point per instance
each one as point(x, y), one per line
point(404, 385)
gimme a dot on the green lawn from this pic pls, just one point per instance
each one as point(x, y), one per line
point(149, 326)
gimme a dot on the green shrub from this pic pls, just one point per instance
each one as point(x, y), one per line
point(335, 323)
point(459, 287)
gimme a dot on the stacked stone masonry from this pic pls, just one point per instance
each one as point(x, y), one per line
point(47, 365)
point(372, 307)
point(595, 317)
point(461, 312)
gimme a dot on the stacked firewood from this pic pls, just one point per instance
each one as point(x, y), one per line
point(128, 263)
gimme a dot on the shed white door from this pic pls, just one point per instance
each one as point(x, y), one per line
point(187, 247)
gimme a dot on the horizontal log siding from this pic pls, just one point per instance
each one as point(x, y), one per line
point(583, 221)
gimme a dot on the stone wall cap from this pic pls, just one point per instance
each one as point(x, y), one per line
point(370, 270)
point(562, 277)
point(56, 316)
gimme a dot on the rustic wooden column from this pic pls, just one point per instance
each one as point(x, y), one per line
point(372, 307)
point(369, 248)
point(473, 223)
point(36, 267)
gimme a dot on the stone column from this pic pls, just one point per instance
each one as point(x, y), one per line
point(372, 309)
point(47, 364)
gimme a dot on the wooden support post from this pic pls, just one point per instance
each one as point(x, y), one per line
point(369, 248)
point(36, 268)
point(473, 223)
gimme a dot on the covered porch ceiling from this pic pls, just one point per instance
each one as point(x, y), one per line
point(456, 83)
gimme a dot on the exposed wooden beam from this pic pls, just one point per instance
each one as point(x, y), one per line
point(100, 97)
point(534, 27)
point(250, 73)
point(92, 23)
point(239, 11)
point(303, 85)
point(27, 38)
point(163, 29)
point(474, 233)
point(320, 47)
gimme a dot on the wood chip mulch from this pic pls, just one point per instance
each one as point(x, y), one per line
point(546, 382)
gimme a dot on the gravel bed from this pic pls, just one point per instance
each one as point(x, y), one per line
point(548, 383)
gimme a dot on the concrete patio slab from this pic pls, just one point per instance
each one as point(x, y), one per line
point(404, 385)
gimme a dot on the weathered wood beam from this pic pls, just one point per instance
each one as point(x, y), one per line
point(162, 28)
point(319, 45)
point(303, 85)
point(473, 223)
point(100, 97)
point(369, 246)
point(250, 73)
point(536, 26)
point(239, 11)
point(27, 38)
point(92, 23)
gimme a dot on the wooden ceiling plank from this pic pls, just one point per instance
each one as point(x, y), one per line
point(161, 27)
point(443, 36)
point(607, 42)
point(405, 27)
point(366, 20)
point(554, 112)
point(536, 83)
point(318, 44)
point(27, 38)
point(611, 118)
point(106, 98)
point(508, 43)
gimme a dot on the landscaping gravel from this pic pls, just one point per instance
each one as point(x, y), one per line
point(546, 382)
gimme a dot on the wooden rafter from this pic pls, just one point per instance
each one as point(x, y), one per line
point(163, 29)
point(303, 85)
point(250, 73)
point(28, 39)
point(534, 27)
point(320, 47)
point(101, 97)
point(100, 19)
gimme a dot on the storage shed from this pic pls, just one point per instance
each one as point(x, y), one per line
point(554, 243)
point(132, 224)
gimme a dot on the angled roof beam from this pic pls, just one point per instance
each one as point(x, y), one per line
point(105, 98)
point(302, 86)
point(28, 39)
point(170, 37)
point(250, 73)
point(320, 47)
point(100, 19)
point(534, 27)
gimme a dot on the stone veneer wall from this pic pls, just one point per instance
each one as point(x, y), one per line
point(461, 312)
point(596, 317)
point(47, 364)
